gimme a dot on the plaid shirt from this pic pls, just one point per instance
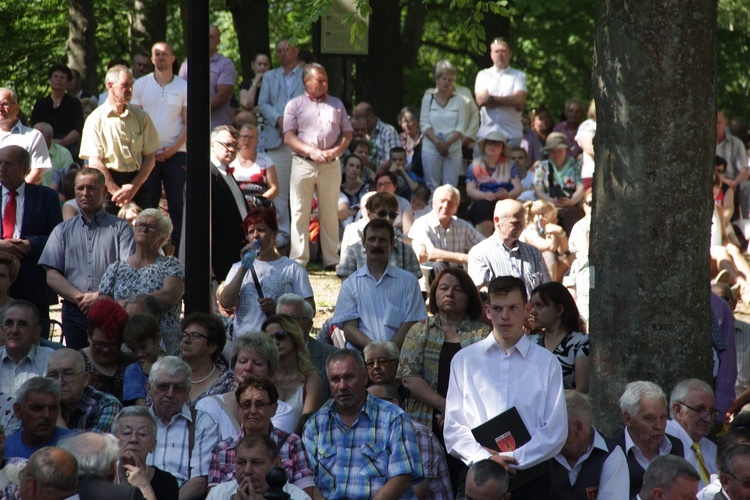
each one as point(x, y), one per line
point(491, 258)
point(357, 463)
point(434, 463)
point(459, 237)
point(292, 454)
point(95, 411)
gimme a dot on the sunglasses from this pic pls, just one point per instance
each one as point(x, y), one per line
point(383, 214)
point(280, 335)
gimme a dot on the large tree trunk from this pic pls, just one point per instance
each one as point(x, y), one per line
point(654, 82)
point(81, 43)
point(147, 25)
point(380, 74)
point(495, 26)
point(250, 19)
point(416, 14)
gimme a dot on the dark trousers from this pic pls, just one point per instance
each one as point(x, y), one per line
point(538, 489)
point(141, 198)
point(43, 319)
point(74, 326)
point(171, 173)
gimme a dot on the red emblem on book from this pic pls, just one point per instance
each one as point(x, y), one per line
point(506, 442)
point(592, 492)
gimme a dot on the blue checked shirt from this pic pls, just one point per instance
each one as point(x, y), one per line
point(95, 411)
point(381, 444)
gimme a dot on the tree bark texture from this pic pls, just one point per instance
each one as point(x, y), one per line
point(147, 25)
point(416, 15)
point(81, 43)
point(250, 19)
point(654, 79)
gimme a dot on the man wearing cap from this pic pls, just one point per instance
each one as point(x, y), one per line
point(558, 180)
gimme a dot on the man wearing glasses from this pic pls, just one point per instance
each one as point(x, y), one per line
point(184, 436)
point(83, 407)
point(257, 399)
point(693, 408)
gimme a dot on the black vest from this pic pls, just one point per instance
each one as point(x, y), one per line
point(636, 471)
point(586, 486)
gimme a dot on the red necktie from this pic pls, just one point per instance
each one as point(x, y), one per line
point(9, 216)
point(230, 170)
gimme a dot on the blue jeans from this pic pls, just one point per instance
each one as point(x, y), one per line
point(75, 326)
point(172, 174)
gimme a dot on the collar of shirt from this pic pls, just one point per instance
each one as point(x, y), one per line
point(522, 346)
point(95, 220)
point(20, 190)
point(664, 447)
point(434, 222)
point(515, 248)
point(17, 128)
point(183, 413)
point(500, 71)
point(317, 99)
point(110, 110)
point(220, 166)
point(31, 355)
point(366, 272)
point(368, 410)
point(598, 443)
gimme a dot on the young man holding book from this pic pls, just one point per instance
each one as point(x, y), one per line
point(503, 371)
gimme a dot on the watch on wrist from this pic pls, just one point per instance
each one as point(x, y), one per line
point(491, 99)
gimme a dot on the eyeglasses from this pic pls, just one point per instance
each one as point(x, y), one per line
point(231, 145)
point(280, 335)
point(193, 336)
point(380, 361)
point(708, 412)
point(259, 405)
point(66, 377)
point(383, 214)
point(744, 482)
point(176, 388)
point(146, 228)
point(100, 346)
point(384, 184)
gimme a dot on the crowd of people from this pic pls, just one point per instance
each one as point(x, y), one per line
point(456, 362)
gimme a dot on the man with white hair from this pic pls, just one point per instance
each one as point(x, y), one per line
point(120, 141)
point(185, 437)
point(692, 406)
point(50, 473)
point(669, 477)
point(97, 456)
point(644, 411)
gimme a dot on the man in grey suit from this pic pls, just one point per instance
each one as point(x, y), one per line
point(280, 85)
point(298, 308)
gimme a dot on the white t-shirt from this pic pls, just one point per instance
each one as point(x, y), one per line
point(502, 83)
point(224, 491)
point(284, 418)
point(164, 105)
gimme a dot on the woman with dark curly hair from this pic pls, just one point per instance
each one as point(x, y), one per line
point(105, 361)
point(203, 339)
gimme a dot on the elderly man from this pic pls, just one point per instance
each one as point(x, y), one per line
point(441, 238)
point(223, 76)
point(280, 85)
point(82, 407)
point(142, 65)
point(78, 252)
point(500, 92)
point(256, 454)
point(50, 473)
point(378, 301)
point(120, 141)
point(97, 467)
point(15, 133)
point(298, 308)
point(589, 464)
point(59, 156)
point(37, 407)
point(29, 215)
point(644, 411)
point(735, 473)
point(257, 398)
point(733, 437)
point(164, 97)
point(318, 131)
point(21, 357)
point(503, 255)
point(574, 115)
point(669, 477)
point(487, 480)
point(692, 407)
point(184, 437)
point(383, 136)
point(341, 437)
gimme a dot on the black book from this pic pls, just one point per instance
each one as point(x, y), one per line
point(507, 432)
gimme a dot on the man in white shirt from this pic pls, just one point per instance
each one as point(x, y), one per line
point(692, 406)
point(669, 477)
point(503, 371)
point(15, 133)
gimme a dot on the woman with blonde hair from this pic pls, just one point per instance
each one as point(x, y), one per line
point(543, 232)
point(296, 379)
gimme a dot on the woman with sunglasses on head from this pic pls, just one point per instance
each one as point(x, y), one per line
point(295, 378)
point(262, 275)
point(148, 271)
point(203, 339)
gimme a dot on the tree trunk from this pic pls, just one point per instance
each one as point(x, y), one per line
point(416, 14)
point(250, 19)
point(495, 26)
point(380, 74)
point(655, 90)
point(147, 25)
point(81, 43)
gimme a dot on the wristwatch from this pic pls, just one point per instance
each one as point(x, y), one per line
point(491, 99)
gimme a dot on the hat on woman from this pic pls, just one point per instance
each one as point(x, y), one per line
point(556, 140)
point(495, 136)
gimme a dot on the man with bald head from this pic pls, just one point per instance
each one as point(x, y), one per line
point(503, 255)
point(164, 97)
point(29, 214)
point(383, 136)
point(50, 473)
point(82, 407)
point(13, 132)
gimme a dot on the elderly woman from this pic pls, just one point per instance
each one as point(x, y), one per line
point(148, 271)
point(443, 119)
point(253, 353)
point(381, 361)
point(253, 287)
point(203, 339)
point(105, 361)
point(298, 383)
point(490, 178)
point(558, 180)
point(254, 171)
point(135, 429)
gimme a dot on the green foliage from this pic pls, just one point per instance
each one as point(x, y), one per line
point(733, 54)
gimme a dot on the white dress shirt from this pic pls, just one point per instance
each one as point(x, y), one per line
point(708, 449)
point(486, 381)
point(664, 448)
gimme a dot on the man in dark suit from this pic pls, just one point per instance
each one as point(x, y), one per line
point(228, 206)
point(97, 467)
point(29, 214)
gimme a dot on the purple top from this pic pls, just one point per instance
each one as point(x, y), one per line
point(727, 374)
point(222, 73)
point(318, 122)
